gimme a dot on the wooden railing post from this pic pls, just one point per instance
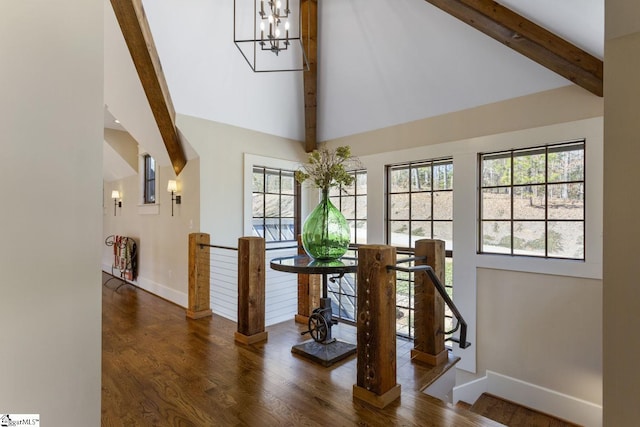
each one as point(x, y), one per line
point(251, 290)
point(199, 302)
point(429, 305)
point(308, 291)
point(376, 322)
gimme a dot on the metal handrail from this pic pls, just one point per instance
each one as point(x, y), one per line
point(460, 322)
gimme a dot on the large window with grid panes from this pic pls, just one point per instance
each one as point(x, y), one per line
point(419, 206)
point(352, 202)
point(532, 201)
point(275, 204)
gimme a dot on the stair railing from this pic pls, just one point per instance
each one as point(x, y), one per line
point(461, 324)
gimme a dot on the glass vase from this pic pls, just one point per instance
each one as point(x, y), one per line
point(325, 233)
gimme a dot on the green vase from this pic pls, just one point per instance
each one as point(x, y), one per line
point(325, 233)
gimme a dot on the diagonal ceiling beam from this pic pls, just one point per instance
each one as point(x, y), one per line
point(529, 39)
point(309, 14)
point(135, 29)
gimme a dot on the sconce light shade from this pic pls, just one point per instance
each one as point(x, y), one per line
point(117, 203)
point(172, 187)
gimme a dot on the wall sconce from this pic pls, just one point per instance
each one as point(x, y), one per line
point(117, 203)
point(172, 187)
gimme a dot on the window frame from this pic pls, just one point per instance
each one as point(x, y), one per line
point(296, 204)
point(511, 154)
point(411, 165)
point(342, 194)
point(149, 165)
point(408, 309)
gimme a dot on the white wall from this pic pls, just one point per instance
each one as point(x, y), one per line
point(51, 114)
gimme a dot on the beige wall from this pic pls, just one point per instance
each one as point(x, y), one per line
point(561, 105)
point(542, 329)
point(162, 238)
point(51, 114)
point(621, 208)
point(506, 300)
point(222, 149)
point(124, 145)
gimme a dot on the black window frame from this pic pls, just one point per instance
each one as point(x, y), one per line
point(411, 166)
point(149, 183)
point(265, 224)
point(509, 187)
point(407, 279)
point(337, 195)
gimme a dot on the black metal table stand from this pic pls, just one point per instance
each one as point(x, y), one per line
point(323, 348)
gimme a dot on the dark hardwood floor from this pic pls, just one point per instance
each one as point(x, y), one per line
point(161, 369)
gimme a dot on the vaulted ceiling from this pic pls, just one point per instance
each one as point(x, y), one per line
point(380, 63)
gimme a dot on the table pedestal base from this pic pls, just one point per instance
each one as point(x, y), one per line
point(324, 354)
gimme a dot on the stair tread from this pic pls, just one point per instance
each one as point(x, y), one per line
point(513, 414)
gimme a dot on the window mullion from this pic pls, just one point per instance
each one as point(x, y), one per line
point(511, 173)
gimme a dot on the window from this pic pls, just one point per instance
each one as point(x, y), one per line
point(149, 179)
point(352, 202)
point(419, 206)
point(275, 204)
point(420, 202)
point(532, 201)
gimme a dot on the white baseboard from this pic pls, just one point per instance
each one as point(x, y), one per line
point(471, 391)
point(170, 294)
point(443, 386)
point(532, 396)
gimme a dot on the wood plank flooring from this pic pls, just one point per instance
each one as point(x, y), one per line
point(161, 369)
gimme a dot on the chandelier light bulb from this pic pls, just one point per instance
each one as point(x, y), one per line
point(277, 32)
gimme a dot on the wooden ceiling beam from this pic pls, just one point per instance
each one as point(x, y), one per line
point(309, 14)
point(529, 39)
point(135, 29)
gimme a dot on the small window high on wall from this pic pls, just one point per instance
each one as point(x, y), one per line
point(532, 201)
point(275, 204)
point(149, 179)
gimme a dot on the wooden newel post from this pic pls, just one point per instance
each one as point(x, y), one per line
point(251, 290)
point(199, 260)
point(308, 291)
point(429, 305)
point(376, 322)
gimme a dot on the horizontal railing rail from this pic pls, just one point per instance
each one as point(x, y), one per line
point(230, 248)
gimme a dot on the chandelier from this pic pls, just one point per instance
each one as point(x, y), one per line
point(267, 33)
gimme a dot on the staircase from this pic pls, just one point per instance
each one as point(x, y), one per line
point(509, 413)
